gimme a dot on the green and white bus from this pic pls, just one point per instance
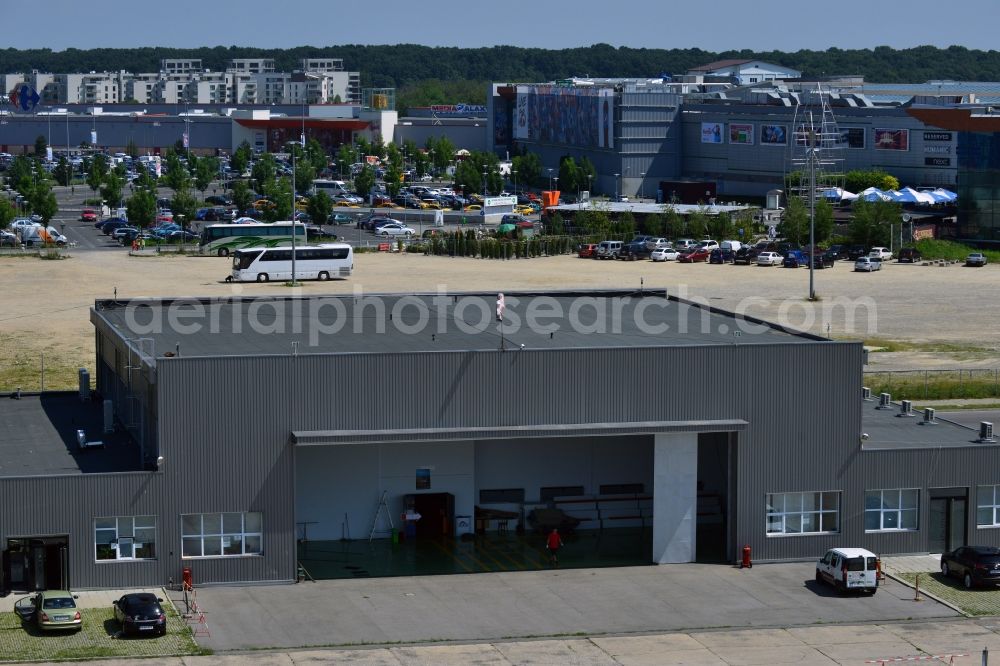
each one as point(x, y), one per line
point(223, 239)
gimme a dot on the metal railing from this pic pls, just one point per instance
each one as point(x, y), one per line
point(949, 383)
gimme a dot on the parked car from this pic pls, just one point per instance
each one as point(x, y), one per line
point(316, 234)
point(608, 249)
point(140, 613)
point(685, 244)
point(586, 250)
point(839, 251)
point(867, 264)
point(121, 232)
point(708, 244)
point(769, 258)
point(109, 226)
point(974, 565)
point(50, 610)
point(909, 255)
point(665, 254)
point(374, 221)
point(856, 251)
point(746, 255)
point(394, 229)
point(721, 256)
point(88, 215)
point(8, 239)
point(849, 569)
point(634, 250)
point(976, 259)
point(824, 259)
point(655, 243)
point(117, 220)
point(219, 200)
point(794, 259)
point(696, 254)
point(880, 253)
point(339, 218)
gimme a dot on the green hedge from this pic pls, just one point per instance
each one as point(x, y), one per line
point(940, 249)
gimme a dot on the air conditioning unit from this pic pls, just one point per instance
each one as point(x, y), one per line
point(84, 381)
point(986, 431)
point(928, 417)
point(884, 401)
point(905, 408)
point(866, 394)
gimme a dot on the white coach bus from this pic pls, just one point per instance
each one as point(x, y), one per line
point(312, 262)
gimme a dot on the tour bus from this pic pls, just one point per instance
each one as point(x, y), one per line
point(312, 262)
point(223, 239)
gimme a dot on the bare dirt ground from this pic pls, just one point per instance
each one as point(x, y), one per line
point(924, 316)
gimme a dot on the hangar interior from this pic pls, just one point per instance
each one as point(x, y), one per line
point(486, 505)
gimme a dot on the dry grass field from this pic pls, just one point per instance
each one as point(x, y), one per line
point(923, 316)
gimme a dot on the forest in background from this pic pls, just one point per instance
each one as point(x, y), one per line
point(438, 75)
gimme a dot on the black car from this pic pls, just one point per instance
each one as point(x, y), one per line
point(634, 250)
point(721, 256)
point(109, 226)
point(746, 255)
point(219, 200)
point(369, 223)
point(319, 235)
point(855, 252)
point(823, 259)
point(140, 613)
point(839, 251)
point(974, 565)
point(909, 255)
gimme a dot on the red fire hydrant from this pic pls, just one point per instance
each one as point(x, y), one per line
point(745, 562)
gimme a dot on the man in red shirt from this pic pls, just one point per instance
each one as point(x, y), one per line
point(553, 543)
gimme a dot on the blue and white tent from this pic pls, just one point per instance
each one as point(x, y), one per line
point(874, 194)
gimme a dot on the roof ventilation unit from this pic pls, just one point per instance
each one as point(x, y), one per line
point(866, 394)
point(986, 431)
point(905, 408)
point(84, 377)
point(884, 401)
point(928, 417)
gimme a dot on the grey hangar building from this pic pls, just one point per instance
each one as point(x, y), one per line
point(246, 426)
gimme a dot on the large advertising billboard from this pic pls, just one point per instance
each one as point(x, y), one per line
point(567, 115)
point(773, 135)
point(741, 133)
point(711, 132)
point(891, 139)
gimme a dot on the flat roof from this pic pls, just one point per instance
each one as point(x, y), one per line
point(386, 323)
point(888, 430)
point(38, 438)
point(649, 208)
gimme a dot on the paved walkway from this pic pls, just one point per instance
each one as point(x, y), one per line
point(814, 645)
point(911, 563)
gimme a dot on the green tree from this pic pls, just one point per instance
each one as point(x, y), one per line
point(720, 227)
point(673, 223)
point(305, 174)
point(131, 149)
point(43, 201)
point(365, 180)
point(345, 158)
point(442, 151)
point(871, 220)
point(320, 207)
point(264, 171)
point(63, 173)
point(697, 224)
point(205, 172)
point(469, 174)
point(184, 206)
point(529, 169)
point(98, 172)
point(21, 173)
point(587, 173)
point(555, 225)
point(241, 158)
point(316, 155)
point(111, 190)
point(794, 225)
point(279, 191)
point(141, 208)
point(40, 145)
point(859, 180)
point(7, 213)
point(569, 175)
point(176, 176)
point(824, 220)
point(242, 196)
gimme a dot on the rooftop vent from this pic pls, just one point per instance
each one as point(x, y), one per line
point(884, 401)
point(866, 394)
point(928, 417)
point(986, 431)
point(905, 408)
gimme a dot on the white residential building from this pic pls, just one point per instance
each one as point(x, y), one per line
point(746, 72)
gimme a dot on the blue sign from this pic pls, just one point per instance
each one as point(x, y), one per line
point(28, 98)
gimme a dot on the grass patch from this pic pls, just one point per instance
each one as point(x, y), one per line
point(960, 407)
point(879, 345)
point(975, 602)
point(936, 384)
point(21, 365)
point(941, 249)
point(97, 639)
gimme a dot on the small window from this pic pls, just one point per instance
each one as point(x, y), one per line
point(502, 496)
point(623, 489)
point(892, 510)
point(551, 492)
point(988, 506)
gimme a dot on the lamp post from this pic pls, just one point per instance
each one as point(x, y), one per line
point(590, 177)
point(557, 183)
point(549, 169)
point(616, 186)
point(514, 173)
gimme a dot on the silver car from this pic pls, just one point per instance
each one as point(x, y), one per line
point(395, 229)
point(867, 264)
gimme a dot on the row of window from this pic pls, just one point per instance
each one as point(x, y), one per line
point(202, 535)
point(892, 510)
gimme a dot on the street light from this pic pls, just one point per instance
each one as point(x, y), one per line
point(549, 169)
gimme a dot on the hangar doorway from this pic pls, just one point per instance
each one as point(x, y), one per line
point(36, 563)
point(714, 489)
point(506, 495)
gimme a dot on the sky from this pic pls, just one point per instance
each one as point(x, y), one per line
point(712, 25)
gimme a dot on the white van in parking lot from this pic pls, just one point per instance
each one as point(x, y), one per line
point(849, 569)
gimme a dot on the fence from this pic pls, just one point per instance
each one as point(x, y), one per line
point(959, 384)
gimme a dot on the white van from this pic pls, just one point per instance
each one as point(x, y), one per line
point(849, 569)
point(730, 245)
point(331, 187)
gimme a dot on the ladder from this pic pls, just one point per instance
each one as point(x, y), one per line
point(383, 505)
